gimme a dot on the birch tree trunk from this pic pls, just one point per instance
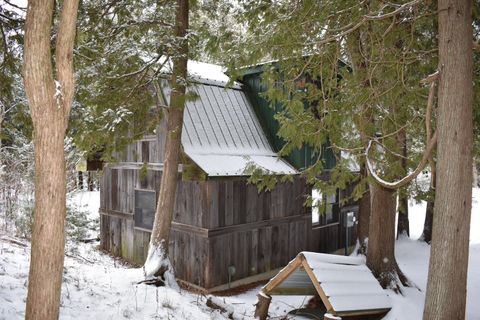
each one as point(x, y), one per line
point(158, 264)
point(50, 103)
point(447, 276)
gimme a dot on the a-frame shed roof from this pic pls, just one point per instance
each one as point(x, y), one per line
point(345, 284)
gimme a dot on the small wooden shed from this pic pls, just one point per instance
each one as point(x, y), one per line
point(345, 285)
point(225, 233)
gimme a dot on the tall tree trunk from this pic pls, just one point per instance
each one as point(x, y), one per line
point(427, 225)
point(381, 242)
point(447, 277)
point(403, 227)
point(363, 121)
point(474, 175)
point(158, 263)
point(50, 106)
point(363, 215)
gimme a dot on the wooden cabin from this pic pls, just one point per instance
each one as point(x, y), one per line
point(225, 233)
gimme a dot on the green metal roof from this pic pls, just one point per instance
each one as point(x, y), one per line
point(299, 158)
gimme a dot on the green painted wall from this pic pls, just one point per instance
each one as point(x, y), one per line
point(299, 158)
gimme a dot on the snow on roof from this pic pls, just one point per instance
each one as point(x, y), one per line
point(222, 135)
point(345, 284)
point(207, 71)
point(202, 71)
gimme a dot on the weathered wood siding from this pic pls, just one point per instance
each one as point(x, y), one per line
point(218, 223)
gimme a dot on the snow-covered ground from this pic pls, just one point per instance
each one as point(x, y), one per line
point(97, 286)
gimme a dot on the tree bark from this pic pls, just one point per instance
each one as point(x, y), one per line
point(90, 181)
point(158, 263)
point(381, 242)
point(363, 215)
point(261, 307)
point(403, 226)
point(474, 174)
point(50, 106)
point(447, 277)
point(428, 224)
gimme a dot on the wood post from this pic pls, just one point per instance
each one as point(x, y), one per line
point(261, 307)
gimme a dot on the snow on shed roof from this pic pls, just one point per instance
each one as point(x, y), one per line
point(345, 284)
point(222, 134)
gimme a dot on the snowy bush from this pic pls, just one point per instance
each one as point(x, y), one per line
point(77, 223)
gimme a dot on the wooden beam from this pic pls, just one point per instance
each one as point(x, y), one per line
point(315, 282)
point(255, 225)
point(282, 275)
point(116, 214)
point(362, 312)
point(190, 229)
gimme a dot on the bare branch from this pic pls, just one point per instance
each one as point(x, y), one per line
point(352, 27)
point(402, 182)
point(15, 6)
point(394, 12)
point(142, 69)
point(350, 150)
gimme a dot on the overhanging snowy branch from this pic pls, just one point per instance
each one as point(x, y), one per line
point(427, 155)
point(402, 182)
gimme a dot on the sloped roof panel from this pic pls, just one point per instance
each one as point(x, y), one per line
point(346, 283)
point(221, 133)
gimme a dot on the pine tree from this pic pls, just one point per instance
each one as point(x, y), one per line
point(361, 61)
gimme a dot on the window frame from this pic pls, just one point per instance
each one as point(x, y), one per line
point(323, 222)
point(136, 223)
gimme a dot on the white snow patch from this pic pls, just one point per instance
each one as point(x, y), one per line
point(95, 286)
point(207, 71)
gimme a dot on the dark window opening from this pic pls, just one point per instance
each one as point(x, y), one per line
point(145, 204)
point(325, 208)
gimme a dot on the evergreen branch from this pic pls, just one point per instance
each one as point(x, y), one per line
point(393, 134)
point(107, 9)
point(352, 27)
point(77, 52)
point(476, 45)
point(142, 69)
point(20, 20)
point(427, 155)
point(398, 155)
point(402, 182)
point(394, 12)
point(151, 78)
point(350, 150)
point(5, 45)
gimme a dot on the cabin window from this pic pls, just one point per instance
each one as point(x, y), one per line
point(325, 208)
point(145, 204)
